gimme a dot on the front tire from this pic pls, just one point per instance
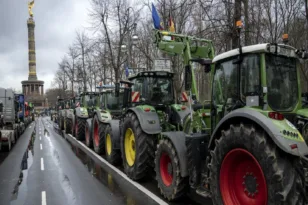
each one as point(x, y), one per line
point(98, 133)
point(81, 127)
point(68, 127)
point(247, 168)
point(170, 182)
point(138, 148)
point(89, 141)
point(112, 155)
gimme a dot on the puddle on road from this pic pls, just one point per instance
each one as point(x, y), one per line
point(19, 193)
point(118, 190)
point(118, 187)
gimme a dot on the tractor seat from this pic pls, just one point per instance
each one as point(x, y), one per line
point(198, 106)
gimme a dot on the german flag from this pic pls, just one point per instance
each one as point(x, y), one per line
point(171, 24)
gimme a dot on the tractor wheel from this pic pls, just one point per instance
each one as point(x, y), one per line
point(89, 141)
point(74, 126)
point(8, 147)
point(170, 182)
point(138, 148)
point(98, 135)
point(247, 168)
point(80, 130)
point(68, 128)
point(112, 155)
point(64, 124)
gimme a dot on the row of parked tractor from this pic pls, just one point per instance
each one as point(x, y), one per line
point(15, 116)
point(247, 145)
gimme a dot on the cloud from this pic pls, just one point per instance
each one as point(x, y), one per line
point(56, 24)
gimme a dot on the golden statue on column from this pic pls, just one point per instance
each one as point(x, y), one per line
point(30, 6)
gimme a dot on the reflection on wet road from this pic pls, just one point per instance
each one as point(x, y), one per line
point(20, 189)
point(46, 167)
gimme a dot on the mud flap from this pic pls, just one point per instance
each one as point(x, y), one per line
point(149, 121)
point(178, 141)
point(115, 127)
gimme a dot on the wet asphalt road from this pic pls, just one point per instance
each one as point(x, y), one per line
point(46, 168)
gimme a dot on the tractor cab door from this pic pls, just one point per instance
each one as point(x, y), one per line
point(235, 85)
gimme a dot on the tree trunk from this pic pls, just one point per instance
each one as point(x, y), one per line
point(237, 17)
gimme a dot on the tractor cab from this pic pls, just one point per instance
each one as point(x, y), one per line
point(88, 100)
point(111, 100)
point(153, 92)
point(153, 88)
point(264, 76)
point(60, 104)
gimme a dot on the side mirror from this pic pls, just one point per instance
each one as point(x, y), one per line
point(187, 77)
point(117, 89)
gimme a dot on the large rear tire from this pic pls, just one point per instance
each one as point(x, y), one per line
point(98, 134)
point(138, 148)
point(62, 123)
point(112, 155)
point(81, 128)
point(170, 182)
point(89, 141)
point(248, 168)
point(68, 127)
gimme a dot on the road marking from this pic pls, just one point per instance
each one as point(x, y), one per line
point(29, 126)
point(42, 164)
point(40, 138)
point(137, 185)
point(44, 198)
point(41, 146)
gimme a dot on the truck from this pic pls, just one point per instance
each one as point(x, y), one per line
point(252, 151)
point(10, 127)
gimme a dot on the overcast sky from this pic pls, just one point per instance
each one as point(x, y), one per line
point(56, 23)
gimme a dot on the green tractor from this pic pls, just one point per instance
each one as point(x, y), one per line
point(85, 106)
point(70, 105)
point(103, 130)
point(251, 153)
point(150, 108)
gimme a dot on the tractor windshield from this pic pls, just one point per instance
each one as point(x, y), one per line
point(281, 82)
point(154, 90)
point(90, 100)
point(113, 102)
point(225, 85)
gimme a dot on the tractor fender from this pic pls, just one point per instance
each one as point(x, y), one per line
point(103, 116)
point(178, 140)
point(149, 121)
point(270, 126)
point(179, 114)
point(89, 122)
point(81, 114)
point(115, 127)
point(69, 113)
